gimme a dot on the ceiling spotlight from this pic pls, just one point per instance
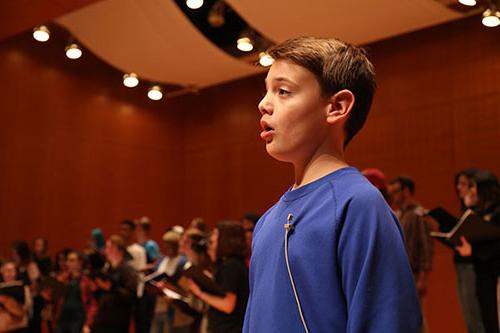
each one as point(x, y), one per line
point(155, 93)
point(130, 80)
point(244, 44)
point(194, 4)
point(265, 60)
point(73, 51)
point(491, 18)
point(468, 2)
point(41, 33)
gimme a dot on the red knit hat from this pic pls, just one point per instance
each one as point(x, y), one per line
point(376, 177)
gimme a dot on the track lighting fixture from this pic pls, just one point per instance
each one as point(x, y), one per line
point(41, 33)
point(468, 2)
point(194, 4)
point(73, 51)
point(130, 80)
point(491, 18)
point(155, 93)
point(265, 60)
point(244, 44)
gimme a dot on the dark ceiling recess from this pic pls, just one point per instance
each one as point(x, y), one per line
point(458, 7)
point(222, 25)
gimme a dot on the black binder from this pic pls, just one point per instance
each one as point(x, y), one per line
point(198, 275)
point(473, 227)
point(445, 220)
point(14, 289)
point(172, 290)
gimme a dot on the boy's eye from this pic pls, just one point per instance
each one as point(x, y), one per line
point(283, 92)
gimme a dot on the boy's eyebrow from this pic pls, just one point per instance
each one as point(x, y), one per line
point(281, 79)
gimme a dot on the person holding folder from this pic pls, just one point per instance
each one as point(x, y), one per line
point(483, 196)
point(15, 300)
point(227, 248)
point(464, 266)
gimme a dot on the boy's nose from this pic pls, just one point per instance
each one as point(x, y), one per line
point(265, 105)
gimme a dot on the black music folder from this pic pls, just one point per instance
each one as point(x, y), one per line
point(445, 220)
point(196, 273)
point(204, 281)
point(472, 226)
point(172, 288)
point(14, 289)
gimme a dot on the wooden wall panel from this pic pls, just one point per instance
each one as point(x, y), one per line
point(78, 149)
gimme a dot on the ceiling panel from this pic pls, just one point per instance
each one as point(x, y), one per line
point(357, 22)
point(154, 39)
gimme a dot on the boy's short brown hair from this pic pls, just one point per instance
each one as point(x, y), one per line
point(337, 65)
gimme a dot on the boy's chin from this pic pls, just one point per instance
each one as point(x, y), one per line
point(276, 153)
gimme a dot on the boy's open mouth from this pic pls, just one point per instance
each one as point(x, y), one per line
point(267, 131)
point(265, 126)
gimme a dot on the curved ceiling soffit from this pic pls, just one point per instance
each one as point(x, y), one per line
point(154, 39)
point(357, 22)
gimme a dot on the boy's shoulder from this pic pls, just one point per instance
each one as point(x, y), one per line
point(351, 186)
point(356, 198)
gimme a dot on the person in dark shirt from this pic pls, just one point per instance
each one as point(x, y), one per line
point(116, 290)
point(227, 248)
point(30, 275)
point(60, 262)
point(77, 306)
point(95, 254)
point(464, 266)
point(483, 197)
point(40, 256)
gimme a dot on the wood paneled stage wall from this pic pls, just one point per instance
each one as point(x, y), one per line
point(78, 150)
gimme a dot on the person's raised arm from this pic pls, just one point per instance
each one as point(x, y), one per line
point(224, 304)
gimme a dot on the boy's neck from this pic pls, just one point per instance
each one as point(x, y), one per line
point(321, 164)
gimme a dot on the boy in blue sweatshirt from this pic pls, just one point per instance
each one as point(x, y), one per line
point(329, 255)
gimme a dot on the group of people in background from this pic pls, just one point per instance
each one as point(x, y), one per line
point(112, 286)
point(477, 264)
point(108, 288)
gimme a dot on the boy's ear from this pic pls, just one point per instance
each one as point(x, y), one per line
point(340, 105)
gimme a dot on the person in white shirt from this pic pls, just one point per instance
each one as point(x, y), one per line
point(171, 264)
